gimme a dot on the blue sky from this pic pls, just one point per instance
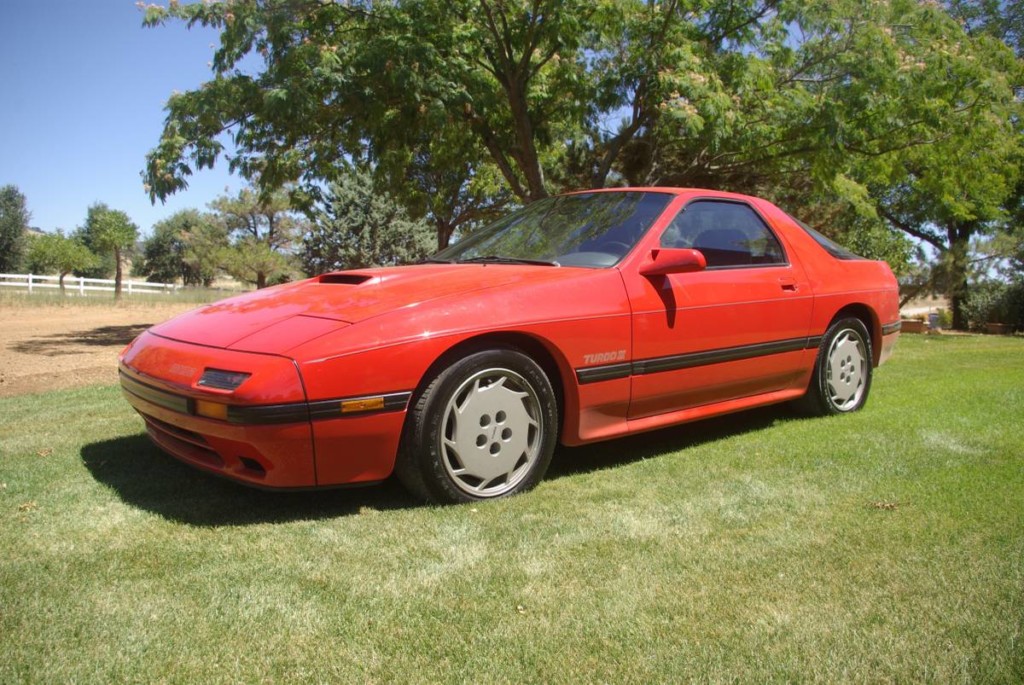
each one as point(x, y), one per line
point(82, 93)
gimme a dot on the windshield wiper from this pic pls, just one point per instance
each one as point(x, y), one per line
point(432, 260)
point(498, 259)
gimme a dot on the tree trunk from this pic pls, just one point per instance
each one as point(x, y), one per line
point(444, 233)
point(526, 156)
point(959, 244)
point(261, 280)
point(117, 274)
point(61, 282)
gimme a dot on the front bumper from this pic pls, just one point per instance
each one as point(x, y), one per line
point(266, 432)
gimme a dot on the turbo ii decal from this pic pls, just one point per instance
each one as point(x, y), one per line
point(604, 357)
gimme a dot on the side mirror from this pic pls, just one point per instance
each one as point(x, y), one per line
point(664, 261)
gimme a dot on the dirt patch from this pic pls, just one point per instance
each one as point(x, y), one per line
point(52, 348)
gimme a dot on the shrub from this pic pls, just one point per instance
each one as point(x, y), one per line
point(995, 302)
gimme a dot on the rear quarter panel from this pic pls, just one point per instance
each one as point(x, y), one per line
point(854, 284)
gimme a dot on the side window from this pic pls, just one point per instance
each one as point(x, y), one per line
point(727, 233)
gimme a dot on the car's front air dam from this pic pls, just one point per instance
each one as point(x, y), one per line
point(162, 379)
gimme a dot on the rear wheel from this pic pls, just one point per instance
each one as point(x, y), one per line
point(842, 371)
point(483, 428)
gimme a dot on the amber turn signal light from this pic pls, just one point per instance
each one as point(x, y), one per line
point(363, 404)
point(211, 410)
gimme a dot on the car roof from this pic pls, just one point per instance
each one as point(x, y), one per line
point(702, 192)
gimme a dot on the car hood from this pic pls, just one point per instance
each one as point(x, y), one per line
point(277, 319)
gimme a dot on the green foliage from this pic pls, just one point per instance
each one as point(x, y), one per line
point(267, 219)
point(60, 254)
point(14, 218)
point(110, 231)
point(358, 226)
point(992, 301)
point(257, 263)
point(880, 118)
point(264, 230)
point(1000, 19)
point(184, 246)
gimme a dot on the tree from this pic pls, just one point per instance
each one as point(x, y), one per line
point(55, 252)
point(838, 101)
point(343, 78)
point(721, 93)
point(960, 186)
point(264, 229)
point(358, 226)
point(1001, 19)
point(185, 246)
point(110, 231)
point(14, 218)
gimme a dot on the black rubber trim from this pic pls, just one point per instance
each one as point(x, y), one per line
point(729, 354)
point(891, 328)
point(268, 414)
point(604, 373)
point(154, 396)
point(676, 362)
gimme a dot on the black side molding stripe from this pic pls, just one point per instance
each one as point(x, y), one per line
point(267, 414)
point(729, 354)
point(676, 362)
point(604, 373)
point(890, 328)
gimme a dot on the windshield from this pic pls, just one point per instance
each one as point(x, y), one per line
point(588, 229)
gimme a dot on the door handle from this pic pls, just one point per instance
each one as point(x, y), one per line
point(789, 285)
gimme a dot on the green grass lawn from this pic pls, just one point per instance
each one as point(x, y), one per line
point(21, 299)
point(885, 546)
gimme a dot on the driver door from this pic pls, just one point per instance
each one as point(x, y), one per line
point(737, 329)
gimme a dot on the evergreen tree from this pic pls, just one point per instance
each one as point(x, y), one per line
point(356, 226)
point(14, 218)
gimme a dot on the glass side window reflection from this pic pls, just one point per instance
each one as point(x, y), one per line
point(729, 234)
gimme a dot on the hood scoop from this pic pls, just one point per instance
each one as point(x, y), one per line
point(344, 279)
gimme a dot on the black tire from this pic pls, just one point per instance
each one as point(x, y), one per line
point(842, 370)
point(484, 427)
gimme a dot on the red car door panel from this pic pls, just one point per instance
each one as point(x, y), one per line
point(737, 329)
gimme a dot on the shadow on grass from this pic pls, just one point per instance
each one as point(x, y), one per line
point(570, 461)
point(103, 336)
point(144, 477)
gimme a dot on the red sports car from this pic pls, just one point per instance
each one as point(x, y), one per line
point(578, 318)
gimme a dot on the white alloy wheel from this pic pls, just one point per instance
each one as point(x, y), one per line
point(846, 373)
point(491, 432)
point(484, 426)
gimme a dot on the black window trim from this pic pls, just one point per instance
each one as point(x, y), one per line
point(757, 213)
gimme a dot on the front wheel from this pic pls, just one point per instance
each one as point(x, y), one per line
point(842, 371)
point(483, 428)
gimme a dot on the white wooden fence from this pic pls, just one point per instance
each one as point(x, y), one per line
point(83, 286)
